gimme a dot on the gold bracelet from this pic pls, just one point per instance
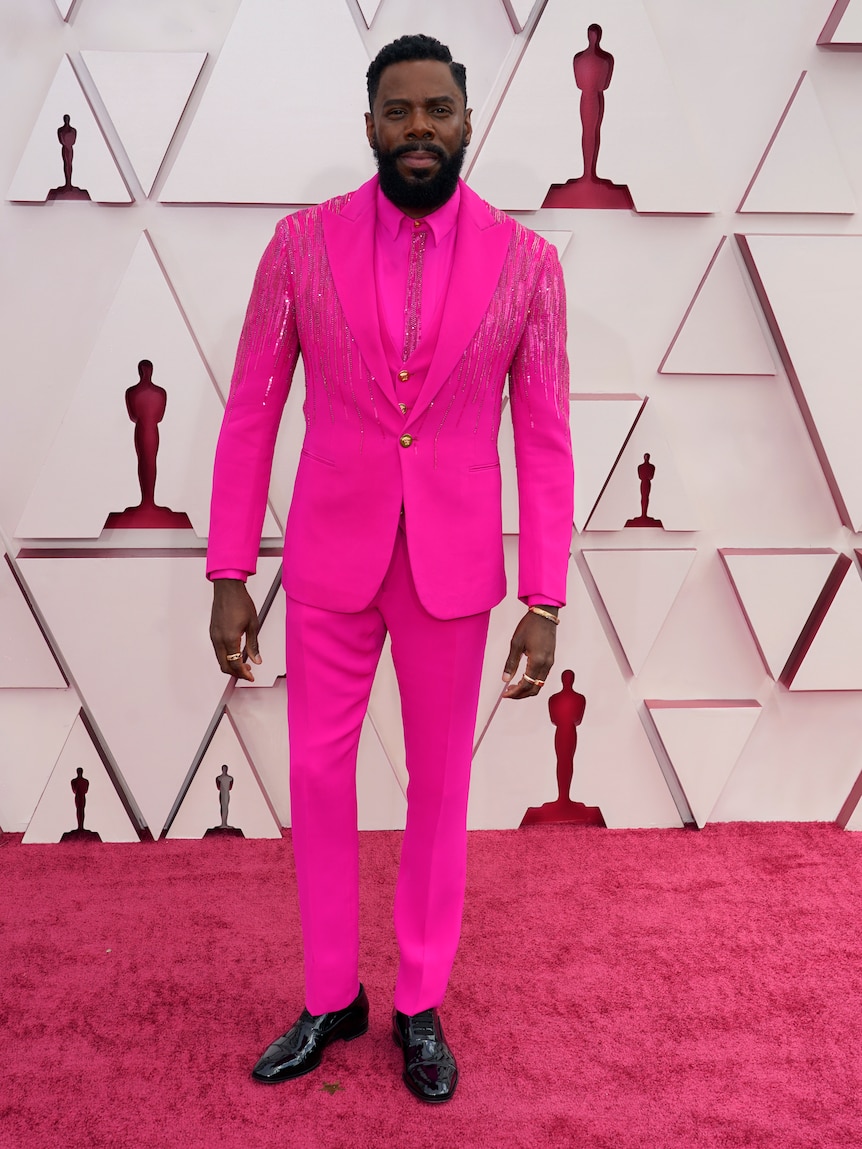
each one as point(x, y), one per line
point(544, 614)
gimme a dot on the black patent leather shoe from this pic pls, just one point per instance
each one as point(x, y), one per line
point(430, 1071)
point(300, 1050)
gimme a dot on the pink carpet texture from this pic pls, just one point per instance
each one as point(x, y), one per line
point(655, 988)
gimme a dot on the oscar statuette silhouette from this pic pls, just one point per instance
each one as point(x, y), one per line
point(593, 68)
point(67, 135)
point(224, 785)
point(566, 708)
point(646, 474)
point(80, 785)
point(146, 403)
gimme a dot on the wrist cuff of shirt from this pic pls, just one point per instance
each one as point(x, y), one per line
point(241, 575)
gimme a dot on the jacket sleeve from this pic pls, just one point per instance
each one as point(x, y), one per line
point(265, 363)
point(539, 391)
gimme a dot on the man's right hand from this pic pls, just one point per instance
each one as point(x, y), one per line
point(233, 616)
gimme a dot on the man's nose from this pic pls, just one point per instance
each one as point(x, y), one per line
point(420, 126)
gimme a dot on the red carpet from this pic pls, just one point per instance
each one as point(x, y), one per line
point(614, 989)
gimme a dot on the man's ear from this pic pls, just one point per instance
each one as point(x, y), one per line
point(369, 128)
point(468, 126)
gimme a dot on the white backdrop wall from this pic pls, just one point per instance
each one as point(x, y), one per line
point(715, 327)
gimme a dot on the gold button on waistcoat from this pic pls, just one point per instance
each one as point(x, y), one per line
point(403, 407)
point(406, 440)
point(403, 376)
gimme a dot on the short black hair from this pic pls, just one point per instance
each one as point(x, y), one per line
point(417, 47)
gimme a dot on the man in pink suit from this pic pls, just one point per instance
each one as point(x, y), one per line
point(410, 301)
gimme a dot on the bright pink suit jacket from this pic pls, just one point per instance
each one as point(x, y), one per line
point(504, 313)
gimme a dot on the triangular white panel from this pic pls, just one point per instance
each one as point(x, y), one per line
point(621, 499)
point(514, 766)
point(704, 648)
point(638, 588)
point(248, 809)
point(241, 147)
point(93, 166)
point(368, 8)
point(560, 239)
point(145, 94)
point(811, 286)
point(384, 711)
point(600, 426)
point(720, 333)
point(834, 659)
point(520, 12)
point(844, 26)
point(25, 658)
point(800, 763)
point(801, 169)
point(104, 813)
point(78, 486)
point(703, 741)
point(260, 717)
point(214, 280)
point(778, 591)
point(646, 142)
point(34, 725)
point(155, 685)
point(64, 7)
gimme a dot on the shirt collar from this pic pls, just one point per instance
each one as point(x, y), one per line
point(440, 222)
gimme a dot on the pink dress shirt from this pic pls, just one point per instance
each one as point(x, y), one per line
point(394, 239)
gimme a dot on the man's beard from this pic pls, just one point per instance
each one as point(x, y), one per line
point(421, 193)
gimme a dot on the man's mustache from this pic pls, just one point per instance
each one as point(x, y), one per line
point(431, 149)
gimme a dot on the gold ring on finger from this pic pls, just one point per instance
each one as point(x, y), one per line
point(233, 657)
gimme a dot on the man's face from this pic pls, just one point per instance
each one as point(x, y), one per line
point(419, 129)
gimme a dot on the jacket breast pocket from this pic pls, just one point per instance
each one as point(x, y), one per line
point(495, 466)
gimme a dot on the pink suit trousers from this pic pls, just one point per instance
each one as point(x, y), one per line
point(331, 660)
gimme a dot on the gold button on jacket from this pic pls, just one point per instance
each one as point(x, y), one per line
point(406, 440)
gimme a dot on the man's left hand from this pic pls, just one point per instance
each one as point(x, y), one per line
point(535, 637)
